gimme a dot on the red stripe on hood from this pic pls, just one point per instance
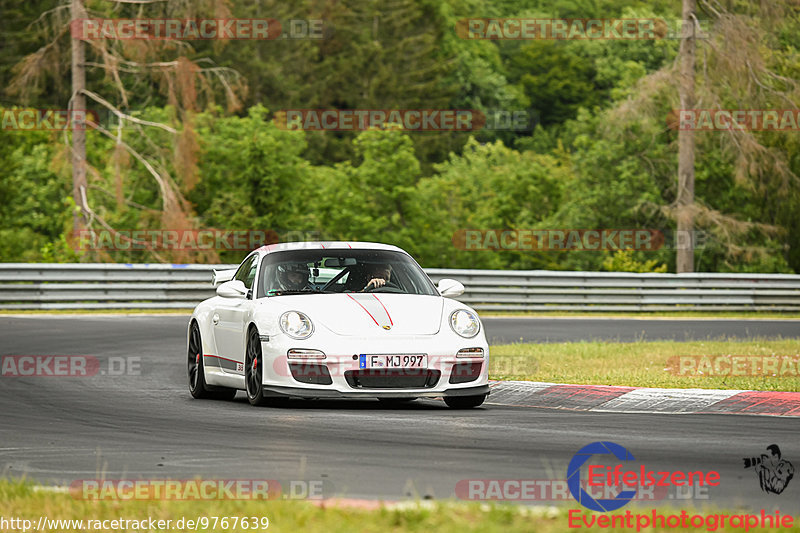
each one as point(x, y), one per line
point(365, 309)
point(384, 308)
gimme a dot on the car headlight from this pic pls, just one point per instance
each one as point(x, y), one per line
point(296, 324)
point(465, 323)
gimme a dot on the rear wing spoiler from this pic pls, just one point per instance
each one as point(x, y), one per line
point(221, 276)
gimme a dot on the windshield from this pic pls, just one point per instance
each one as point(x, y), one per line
point(341, 271)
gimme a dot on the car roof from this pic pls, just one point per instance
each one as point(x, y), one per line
point(322, 245)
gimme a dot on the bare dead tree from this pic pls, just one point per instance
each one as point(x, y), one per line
point(178, 77)
point(733, 66)
point(78, 103)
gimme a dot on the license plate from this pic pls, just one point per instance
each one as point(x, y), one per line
point(392, 361)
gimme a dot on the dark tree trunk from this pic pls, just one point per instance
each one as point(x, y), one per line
point(78, 126)
point(685, 199)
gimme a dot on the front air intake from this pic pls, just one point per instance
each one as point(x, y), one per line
point(465, 372)
point(311, 373)
point(392, 378)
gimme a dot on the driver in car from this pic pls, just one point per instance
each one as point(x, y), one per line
point(294, 277)
point(378, 276)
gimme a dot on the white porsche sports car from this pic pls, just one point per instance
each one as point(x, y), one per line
point(336, 320)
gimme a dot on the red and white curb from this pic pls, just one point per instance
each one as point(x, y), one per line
point(612, 399)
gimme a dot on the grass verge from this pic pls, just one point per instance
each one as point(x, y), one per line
point(18, 500)
point(652, 364)
point(120, 312)
point(643, 315)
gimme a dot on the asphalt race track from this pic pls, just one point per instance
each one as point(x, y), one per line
point(144, 424)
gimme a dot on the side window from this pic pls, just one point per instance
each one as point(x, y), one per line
point(247, 272)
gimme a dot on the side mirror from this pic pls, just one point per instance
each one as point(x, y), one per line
point(232, 289)
point(450, 288)
point(221, 276)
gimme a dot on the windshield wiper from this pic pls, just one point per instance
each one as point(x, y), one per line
point(281, 292)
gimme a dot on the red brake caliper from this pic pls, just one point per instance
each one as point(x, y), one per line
point(255, 363)
point(197, 361)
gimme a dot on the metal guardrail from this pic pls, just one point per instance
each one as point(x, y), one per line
point(104, 286)
point(164, 286)
point(543, 290)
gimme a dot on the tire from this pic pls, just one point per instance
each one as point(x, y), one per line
point(254, 375)
point(197, 377)
point(464, 402)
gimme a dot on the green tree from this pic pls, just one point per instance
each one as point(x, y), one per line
point(489, 186)
point(33, 193)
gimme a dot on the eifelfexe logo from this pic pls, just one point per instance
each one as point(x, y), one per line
point(574, 476)
point(607, 477)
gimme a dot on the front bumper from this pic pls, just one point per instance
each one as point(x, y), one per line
point(306, 392)
point(339, 374)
